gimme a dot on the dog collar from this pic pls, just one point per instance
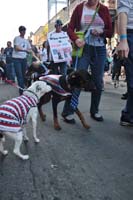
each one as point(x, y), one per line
point(34, 94)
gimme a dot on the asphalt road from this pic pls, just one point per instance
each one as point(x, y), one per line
point(74, 163)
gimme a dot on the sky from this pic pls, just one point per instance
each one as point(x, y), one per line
point(14, 13)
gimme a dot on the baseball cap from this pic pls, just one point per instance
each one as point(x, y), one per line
point(58, 22)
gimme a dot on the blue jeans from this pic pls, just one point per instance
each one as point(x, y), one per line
point(129, 77)
point(10, 72)
point(93, 57)
point(20, 66)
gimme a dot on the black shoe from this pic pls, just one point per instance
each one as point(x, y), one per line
point(67, 120)
point(124, 96)
point(125, 122)
point(97, 117)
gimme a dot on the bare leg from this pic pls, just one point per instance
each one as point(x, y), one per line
point(18, 141)
point(34, 124)
point(4, 152)
point(55, 101)
point(42, 115)
point(82, 119)
point(25, 134)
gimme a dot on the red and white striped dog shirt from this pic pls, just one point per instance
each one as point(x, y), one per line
point(13, 113)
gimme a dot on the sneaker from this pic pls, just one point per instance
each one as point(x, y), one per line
point(125, 122)
point(97, 117)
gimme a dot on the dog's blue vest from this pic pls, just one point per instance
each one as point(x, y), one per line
point(13, 113)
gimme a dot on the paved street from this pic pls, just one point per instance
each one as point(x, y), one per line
point(74, 163)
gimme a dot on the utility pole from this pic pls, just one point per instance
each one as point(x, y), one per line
point(68, 11)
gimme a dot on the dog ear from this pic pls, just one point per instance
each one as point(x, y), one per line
point(74, 79)
point(38, 88)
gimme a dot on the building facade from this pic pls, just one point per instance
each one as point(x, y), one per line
point(41, 34)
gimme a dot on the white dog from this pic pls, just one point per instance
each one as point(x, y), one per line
point(17, 112)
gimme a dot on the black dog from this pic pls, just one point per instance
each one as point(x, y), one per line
point(80, 79)
point(35, 70)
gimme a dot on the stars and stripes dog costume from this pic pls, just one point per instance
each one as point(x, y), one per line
point(13, 112)
point(53, 81)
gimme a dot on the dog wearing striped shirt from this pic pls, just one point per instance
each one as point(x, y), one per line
point(63, 87)
point(18, 111)
point(66, 87)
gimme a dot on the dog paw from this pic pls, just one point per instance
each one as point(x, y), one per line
point(58, 128)
point(26, 139)
point(43, 118)
point(5, 152)
point(25, 157)
point(37, 140)
point(86, 126)
point(3, 139)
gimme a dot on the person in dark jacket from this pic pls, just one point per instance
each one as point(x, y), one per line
point(10, 71)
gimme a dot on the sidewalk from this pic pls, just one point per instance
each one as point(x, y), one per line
point(109, 86)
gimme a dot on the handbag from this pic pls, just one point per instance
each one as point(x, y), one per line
point(81, 35)
point(76, 50)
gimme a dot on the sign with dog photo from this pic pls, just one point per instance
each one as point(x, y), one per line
point(60, 47)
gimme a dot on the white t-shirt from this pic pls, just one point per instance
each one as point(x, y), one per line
point(43, 55)
point(22, 43)
point(98, 23)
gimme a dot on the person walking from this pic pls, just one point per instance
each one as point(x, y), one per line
point(125, 51)
point(21, 48)
point(2, 55)
point(43, 52)
point(33, 55)
point(2, 64)
point(10, 72)
point(94, 19)
point(34, 49)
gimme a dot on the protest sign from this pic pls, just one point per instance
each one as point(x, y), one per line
point(60, 46)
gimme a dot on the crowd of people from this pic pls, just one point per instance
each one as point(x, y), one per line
point(93, 19)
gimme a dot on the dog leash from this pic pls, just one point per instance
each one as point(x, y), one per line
point(46, 69)
point(75, 94)
point(76, 61)
point(13, 84)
